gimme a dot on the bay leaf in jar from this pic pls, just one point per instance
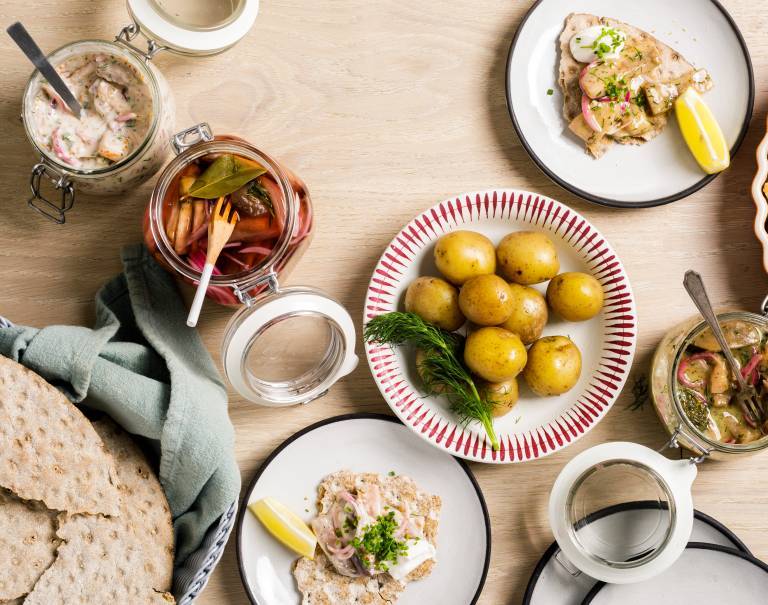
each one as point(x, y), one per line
point(225, 175)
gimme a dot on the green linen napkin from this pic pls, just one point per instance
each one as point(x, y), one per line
point(144, 367)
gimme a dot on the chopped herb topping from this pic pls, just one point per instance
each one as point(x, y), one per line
point(550, 92)
point(378, 545)
point(391, 473)
point(606, 43)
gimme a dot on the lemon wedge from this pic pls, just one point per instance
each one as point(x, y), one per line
point(285, 525)
point(702, 132)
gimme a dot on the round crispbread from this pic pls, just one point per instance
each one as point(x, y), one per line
point(28, 544)
point(318, 581)
point(49, 452)
point(116, 560)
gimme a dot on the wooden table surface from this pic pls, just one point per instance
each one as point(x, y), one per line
point(385, 108)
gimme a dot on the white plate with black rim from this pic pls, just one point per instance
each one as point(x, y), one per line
point(554, 583)
point(536, 426)
point(366, 443)
point(662, 170)
point(705, 574)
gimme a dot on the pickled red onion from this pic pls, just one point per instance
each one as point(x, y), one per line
point(256, 250)
point(583, 73)
point(589, 116)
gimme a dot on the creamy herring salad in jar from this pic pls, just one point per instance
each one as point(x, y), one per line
point(117, 111)
point(122, 135)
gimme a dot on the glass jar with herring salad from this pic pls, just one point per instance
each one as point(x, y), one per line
point(122, 135)
point(694, 391)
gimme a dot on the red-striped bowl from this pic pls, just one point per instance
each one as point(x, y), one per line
point(537, 426)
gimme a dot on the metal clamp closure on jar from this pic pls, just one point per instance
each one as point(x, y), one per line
point(49, 209)
point(130, 33)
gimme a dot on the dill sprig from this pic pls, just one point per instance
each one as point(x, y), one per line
point(442, 370)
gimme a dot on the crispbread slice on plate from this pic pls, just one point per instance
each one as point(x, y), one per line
point(127, 559)
point(321, 584)
point(28, 544)
point(49, 452)
point(672, 67)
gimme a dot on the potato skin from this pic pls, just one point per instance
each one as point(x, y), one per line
point(527, 257)
point(435, 301)
point(462, 255)
point(486, 300)
point(554, 366)
point(495, 354)
point(529, 313)
point(575, 296)
point(502, 395)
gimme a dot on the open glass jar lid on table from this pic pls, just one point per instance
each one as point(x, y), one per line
point(121, 138)
point(283, 346)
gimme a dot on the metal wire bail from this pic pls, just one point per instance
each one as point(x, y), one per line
point(131, 32)
point(51, 210)
point(193, 135)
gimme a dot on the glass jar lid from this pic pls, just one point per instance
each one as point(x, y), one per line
point(195, 27)
point(288, 347)
point(614, 476)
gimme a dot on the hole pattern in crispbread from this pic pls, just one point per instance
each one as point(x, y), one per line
point(49, 451)
point(28, 544)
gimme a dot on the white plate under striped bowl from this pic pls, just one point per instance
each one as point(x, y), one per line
point(536, 427)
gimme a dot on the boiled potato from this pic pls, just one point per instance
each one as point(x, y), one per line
point(435, 301)
point(501, 395)
point(527, 257)
point(495, 354)
point(554, 366)
point(486, 300)
point(529, 313)
point(575, 296)
point(462, 255)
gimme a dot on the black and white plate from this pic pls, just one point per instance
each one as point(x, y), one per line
point(552, 584)
point(662, 170)
point(366, 443)
point(705, 574)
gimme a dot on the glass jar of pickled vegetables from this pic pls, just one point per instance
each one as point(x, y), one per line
point(284, 345)
point(694, 392)
point(121, 137)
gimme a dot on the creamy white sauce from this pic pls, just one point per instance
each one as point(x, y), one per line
point(117, 112)
point(584, 44)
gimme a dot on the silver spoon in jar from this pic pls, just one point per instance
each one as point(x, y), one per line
point(746, 396)
point(28, 46)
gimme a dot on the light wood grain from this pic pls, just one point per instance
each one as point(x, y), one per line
point(385, 108)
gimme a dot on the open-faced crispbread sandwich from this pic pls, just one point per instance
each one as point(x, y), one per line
point(619, 82)
point(375, 533)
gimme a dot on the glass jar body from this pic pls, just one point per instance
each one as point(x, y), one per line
point(288, 246)
point(144, 160)
point(663, 388)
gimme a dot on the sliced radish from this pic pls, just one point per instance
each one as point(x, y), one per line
point(589, 116)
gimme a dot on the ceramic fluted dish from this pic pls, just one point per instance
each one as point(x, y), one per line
point(658, 172)
point(758, 195)
point(536, 427)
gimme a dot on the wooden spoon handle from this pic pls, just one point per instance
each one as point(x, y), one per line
point(202, 288)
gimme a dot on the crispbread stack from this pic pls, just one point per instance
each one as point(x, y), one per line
point(49, 451)
point(95, 530)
